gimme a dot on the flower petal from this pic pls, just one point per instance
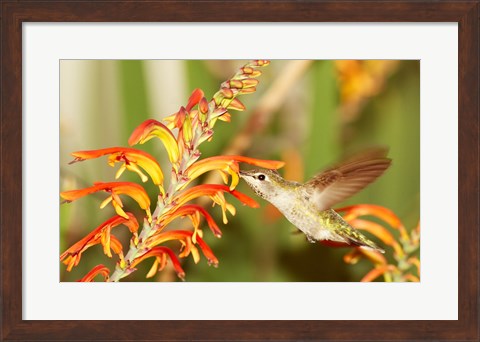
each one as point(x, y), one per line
point(152, 128)
point(375, 210)
point(411, 277)
point(248, 90)
point(99, 269)
point(189, 209)
point(127, 155)
point(373, 256)
point(228, 164)
point(215, 192)
point(159, 251)
point(261, 62)
point(133, 190)
point(110, 242)
point(236, 104)
point(416, 262)
point(266, 164)
point(225, 117)
point(379, 231)
point(203, 110)
point(184, 235)
point(244, 199)
point(352, 257)
point(71, 257)
point(210, 190)
point(203, 105)
point(187, 130)
point(237, 84)
point(249, 82)
point(376, 272)
point(194, 99)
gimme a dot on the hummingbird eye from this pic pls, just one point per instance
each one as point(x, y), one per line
point(261, 177)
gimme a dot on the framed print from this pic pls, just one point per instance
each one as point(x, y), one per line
point(418, 60)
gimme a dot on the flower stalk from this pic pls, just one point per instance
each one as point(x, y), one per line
point(193, 125)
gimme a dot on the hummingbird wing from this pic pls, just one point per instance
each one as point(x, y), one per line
point(341, 181)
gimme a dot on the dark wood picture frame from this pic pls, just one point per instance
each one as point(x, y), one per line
point(14, 13)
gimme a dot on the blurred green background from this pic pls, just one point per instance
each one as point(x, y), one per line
point(307, 113)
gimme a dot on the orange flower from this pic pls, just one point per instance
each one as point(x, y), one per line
point(71, 257)
point(132, 159)
point(194, 99)
point(152, 128)
point(99, 269)
point(355, 254)
point(379, 231)
point(190, 210)
point(194, 124)
point(185, 237)
point(383, 213)
point(186, 120)
point(177, 120)
point(227, 165)
point(215, 192)
point(160, 253)
point(403, 247)
point(211, 190)
point(377, 272)
point(115, 188)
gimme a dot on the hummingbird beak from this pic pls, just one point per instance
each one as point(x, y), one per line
point(245, 174)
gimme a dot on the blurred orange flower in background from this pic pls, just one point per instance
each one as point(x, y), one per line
point(404, 266)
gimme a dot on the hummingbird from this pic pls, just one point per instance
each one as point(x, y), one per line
point(308, 206)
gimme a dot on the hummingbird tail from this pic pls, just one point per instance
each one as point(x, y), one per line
point(373, 249)
point(368, 245)
point(355, 238)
